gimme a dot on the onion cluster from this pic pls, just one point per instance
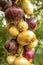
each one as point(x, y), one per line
point(21, 45)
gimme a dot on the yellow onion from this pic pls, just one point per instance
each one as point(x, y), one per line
point(13, 31)
point(10, 59)
point(33, 44)
point(27, 7)
point(21, 61)
point(22, 25)
point(25, 37)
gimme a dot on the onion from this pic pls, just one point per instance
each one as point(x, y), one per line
point(26, 37)
point(10, 59)
point(14, 13)
point(13, 31)
point(21, 61)
point(11, 45)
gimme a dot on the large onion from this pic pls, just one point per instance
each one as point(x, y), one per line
point(14, 13)
point(21, 61)
point(26, 37)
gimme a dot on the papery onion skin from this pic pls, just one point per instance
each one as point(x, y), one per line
point(14, 13)
point(21, 61)
point(11, 46)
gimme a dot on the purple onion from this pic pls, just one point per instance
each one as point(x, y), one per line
point(14, 13)
point(31, 22)
point(28, 53)
point(11, 45)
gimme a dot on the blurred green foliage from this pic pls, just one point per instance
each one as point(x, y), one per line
point(38, 13)
point(3, 37)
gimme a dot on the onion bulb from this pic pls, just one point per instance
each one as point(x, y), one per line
point(26, 37)
point(13, 31)
point(22, 26)
point(10, 59)
point(33, 44)
point(21, 61)
point(27, 7)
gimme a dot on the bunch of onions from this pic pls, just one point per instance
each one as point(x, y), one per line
point(22, 39)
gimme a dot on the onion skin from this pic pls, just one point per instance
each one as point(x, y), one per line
point(33, 44)
point(26, 37)
point(14, 13)
point(10, 59)
point(27, 7)
point(11, 46)
point(31, 22)
point(13, 31)
point(22, 26)
point(21, 61)
point(28, 53)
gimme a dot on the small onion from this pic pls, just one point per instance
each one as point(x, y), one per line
point(11, 46)
point(31, 22)
point(22, 26)
point(13, 31)
point(10, 59)
point(28, 53)
point(33, 44)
